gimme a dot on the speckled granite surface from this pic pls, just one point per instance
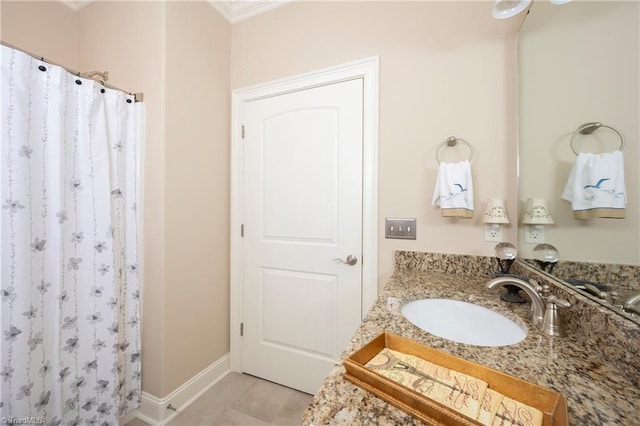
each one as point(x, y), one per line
point(598, 392)
point(613, 333)
point(620, 276)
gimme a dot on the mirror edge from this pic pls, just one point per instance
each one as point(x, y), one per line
point(565, 286)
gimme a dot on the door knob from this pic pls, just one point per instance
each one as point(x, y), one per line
point(351, 260)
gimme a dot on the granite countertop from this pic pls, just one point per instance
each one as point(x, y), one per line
point(596, 391)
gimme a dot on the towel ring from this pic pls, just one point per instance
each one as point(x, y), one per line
point(588, 128)
point(452, 141)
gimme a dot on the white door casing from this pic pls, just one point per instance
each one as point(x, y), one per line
point(362, 75)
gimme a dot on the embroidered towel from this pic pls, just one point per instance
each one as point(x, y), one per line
point(454, 190)
point(596, 186)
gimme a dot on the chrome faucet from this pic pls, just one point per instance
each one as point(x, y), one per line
point(537, 304)
point(545, 316)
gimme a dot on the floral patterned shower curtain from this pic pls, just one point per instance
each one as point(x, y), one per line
point(70, 332)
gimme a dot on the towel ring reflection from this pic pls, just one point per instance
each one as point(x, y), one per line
point(588, 128)
point(452, 141)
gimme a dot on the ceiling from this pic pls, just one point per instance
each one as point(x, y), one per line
point(233, 10)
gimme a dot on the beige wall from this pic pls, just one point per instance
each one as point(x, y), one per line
point(134, 54)
point(446, 68)
point(579, 63)
point(47, 29)
point(197, 192)
point(177, 54)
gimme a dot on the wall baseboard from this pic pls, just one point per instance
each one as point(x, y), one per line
point(153, 410)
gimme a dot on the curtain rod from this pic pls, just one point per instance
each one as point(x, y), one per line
point(138, 96)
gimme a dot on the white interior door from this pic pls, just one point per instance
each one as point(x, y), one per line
point(302, 210)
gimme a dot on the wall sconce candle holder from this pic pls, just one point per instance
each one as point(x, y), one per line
point(536, 216)
point(494, 217)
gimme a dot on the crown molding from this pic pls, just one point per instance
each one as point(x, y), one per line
point(238, 10)
point(232, 10)
point(76, 4)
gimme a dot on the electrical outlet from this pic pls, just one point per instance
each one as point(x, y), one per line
point(403, 229)
point(493, 232)
point(533, 234)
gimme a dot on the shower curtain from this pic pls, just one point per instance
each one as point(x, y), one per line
point(70, 322)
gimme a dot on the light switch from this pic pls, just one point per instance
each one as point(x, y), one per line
point(403, 229)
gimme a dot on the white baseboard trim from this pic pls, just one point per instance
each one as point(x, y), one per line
point(154, 410)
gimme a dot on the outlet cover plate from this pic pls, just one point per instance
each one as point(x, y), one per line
point(402, 229)
point(493, 232)
point(534, 234)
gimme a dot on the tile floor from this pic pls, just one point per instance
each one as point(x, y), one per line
point(240, 399)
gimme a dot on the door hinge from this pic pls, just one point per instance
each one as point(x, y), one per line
point(242, 230)
point(242, 131)
point(241, 329)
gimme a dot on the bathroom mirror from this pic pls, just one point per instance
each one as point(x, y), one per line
point(579, 62)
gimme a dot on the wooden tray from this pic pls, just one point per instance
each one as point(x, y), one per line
point(552, 404)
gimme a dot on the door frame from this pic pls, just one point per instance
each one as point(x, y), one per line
point(367, 69)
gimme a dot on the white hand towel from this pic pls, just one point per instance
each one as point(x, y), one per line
point(596, 186)
point(454, 190)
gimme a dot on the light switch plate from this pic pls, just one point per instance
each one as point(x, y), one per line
point(403, 229)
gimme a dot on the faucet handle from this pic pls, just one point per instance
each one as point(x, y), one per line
point(561, 303)
point(542, 290)
point(551, 323)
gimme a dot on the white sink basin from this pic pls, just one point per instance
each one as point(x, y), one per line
point(463, 322)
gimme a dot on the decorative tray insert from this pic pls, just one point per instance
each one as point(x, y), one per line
point(439, 388)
